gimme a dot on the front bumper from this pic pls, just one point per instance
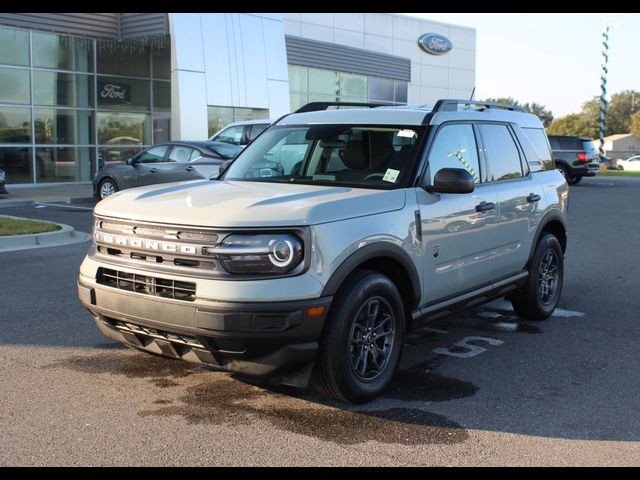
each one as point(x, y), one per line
point(277, 340)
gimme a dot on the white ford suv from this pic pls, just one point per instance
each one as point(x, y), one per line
point(315, 269)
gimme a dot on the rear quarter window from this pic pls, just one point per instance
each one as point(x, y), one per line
point(564, 143)
point(536, 139)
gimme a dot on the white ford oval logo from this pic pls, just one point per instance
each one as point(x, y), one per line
point(435, 44)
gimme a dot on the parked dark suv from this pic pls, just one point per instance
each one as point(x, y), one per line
point(575, 157)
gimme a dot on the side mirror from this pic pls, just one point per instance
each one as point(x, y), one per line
point(130, 161)
point(451, 180)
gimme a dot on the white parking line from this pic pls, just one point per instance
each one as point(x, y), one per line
point(471, 350)
point(559, 312)
point(43, 205)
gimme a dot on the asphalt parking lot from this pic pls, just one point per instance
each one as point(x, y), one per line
point(480, 388)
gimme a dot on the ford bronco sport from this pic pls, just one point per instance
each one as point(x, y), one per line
point(314, 269)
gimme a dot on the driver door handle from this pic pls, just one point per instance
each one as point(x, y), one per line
point(153, 170)
point(189, 169)
point(533, 198)
point(485, 206)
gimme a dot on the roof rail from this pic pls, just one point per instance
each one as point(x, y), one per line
point(452, 105)
point(316, 106)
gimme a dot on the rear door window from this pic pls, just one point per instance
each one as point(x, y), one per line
point(502, 153)
point(180, 154)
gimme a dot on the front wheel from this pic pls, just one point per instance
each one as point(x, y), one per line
point(107, 187)
point(539, 298)
point(361, 344)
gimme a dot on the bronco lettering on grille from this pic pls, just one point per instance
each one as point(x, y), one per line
point(154, 245)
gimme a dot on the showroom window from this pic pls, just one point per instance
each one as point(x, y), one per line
point(62, 52)
point(220, 117)
point(69, 105)
point(308, 84)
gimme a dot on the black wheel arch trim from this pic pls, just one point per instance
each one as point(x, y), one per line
point(108, 177)
point(546, 220)
point(98, 182)
point(369, 252)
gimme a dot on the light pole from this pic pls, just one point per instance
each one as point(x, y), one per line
point(603, 85)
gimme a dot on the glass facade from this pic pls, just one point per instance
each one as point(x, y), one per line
point(68, 105)
point(308, 84)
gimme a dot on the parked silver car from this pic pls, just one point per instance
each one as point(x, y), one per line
point(163, 163)
point(241, 133)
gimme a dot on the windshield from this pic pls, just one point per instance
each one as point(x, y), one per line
point(351, 155)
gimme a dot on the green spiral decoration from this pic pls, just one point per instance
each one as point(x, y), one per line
point(603, 86)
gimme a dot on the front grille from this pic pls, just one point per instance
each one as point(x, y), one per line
point(168, 248)
point(159, 287)
point(132, 228)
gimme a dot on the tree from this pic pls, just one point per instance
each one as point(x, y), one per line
point(546, 117)
point(620, 109)
point(574, 124)
point(635, 124)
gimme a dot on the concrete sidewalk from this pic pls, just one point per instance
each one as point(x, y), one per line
point(25, 195)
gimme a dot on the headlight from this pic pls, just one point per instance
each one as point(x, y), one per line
point(2, 177)
point(278, 253)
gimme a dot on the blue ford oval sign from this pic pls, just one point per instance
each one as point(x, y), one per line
point(435, 44)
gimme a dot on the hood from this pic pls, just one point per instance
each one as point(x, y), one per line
point(247, 204)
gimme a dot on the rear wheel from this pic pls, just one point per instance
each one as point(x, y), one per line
point(361, 344)
point(539, 298)
point(571, 179)
point(574, 180)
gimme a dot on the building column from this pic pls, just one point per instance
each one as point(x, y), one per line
point(188, 85)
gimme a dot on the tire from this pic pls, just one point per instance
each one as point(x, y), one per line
point(539, 298)
point(575, 180)
point(368, 303)
point(107, 187)
point(571, 179)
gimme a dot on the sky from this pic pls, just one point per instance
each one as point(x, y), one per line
point(554, 59)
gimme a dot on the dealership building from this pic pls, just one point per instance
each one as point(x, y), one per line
point(81, 89)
